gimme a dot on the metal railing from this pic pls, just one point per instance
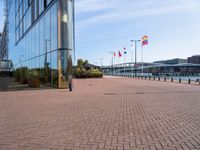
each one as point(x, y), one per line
point(185, 80)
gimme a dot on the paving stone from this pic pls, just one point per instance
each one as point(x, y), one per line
point(100, 114)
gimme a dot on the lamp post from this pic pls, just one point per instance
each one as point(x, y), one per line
point(20, 60)
point(112, 54)
point(135, 41)
point(45, 63)
point(46, 50)
point(101, 59)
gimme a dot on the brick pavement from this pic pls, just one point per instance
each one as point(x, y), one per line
point(111, 114)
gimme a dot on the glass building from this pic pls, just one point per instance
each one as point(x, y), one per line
point(41, 36)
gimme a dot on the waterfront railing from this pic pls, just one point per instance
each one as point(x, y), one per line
point(194, 80)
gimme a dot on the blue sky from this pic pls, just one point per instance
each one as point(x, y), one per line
point(173, 27)
point(1, 15)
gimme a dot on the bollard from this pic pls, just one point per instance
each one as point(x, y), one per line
point(172, 80)
point(189, 81)
point(70, 87)
point(158, 78)
point(179, 80)
point(165, 79)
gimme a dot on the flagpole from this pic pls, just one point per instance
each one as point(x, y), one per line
point(135, 59)
point(118, 63)
point(142, 59)
point(111, 65)
point(124, 64)
point(135, 55)
point(114, 65)
point(132, 62)
point(144, 42)
point(118, 58)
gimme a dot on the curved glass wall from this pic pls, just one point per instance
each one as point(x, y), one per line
point(38, 41)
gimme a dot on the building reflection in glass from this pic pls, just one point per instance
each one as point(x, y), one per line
point(42, 31)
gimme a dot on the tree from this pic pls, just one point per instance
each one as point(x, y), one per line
point(86, 62)
point(80, 62)
point(80, 71)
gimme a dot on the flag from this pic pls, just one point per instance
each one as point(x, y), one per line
point(145, 40)
point(119, 54)
point(114, 54)
point(125, 51)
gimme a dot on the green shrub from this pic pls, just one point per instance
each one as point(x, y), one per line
point(80, 72)
point(95, 73)
point(24, 75)
point(21, 75)
point(33, 78)
point(55, 77)
point(41, 72)
point(17, 75)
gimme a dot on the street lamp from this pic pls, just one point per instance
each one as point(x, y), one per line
point(20, 60)
point(101, 59)
point(46, 67)
point(135, 41)
point(46, 48)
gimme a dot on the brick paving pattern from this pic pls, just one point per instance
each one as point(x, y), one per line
point(102, 114)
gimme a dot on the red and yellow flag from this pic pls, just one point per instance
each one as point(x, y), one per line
point(145, 40)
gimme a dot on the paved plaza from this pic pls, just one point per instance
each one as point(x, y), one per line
point(109, 113)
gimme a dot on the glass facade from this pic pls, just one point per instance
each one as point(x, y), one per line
point(41, 37)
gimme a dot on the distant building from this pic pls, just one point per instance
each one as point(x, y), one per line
point(3, 45)
point(6, 65)
point(172, 61)
point(153, 69)
point(194, 59)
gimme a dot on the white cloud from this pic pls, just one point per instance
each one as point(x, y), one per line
point(114, 11)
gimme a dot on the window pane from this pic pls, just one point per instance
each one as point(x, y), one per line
point(47, 31)
point(54, 27)
point(41, 6)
